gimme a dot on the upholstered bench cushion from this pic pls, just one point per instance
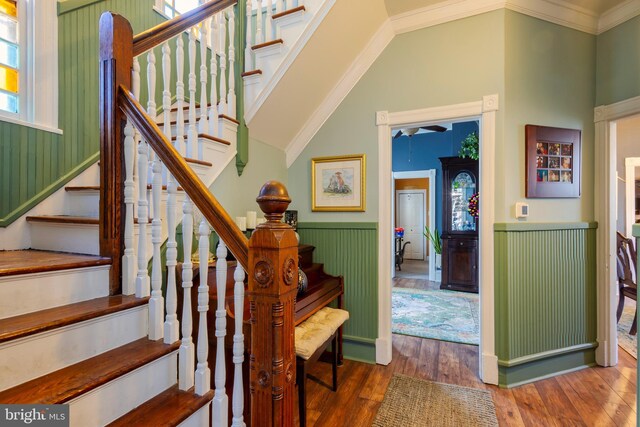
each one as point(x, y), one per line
point(317, 329)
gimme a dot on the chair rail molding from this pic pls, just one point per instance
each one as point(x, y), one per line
point(605, 117)
point(484, 110)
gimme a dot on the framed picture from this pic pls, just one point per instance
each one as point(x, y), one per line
point(552, 162)
point(338, 183)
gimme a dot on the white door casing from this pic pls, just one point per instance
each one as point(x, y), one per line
point(605, 117)
point(630, 163)
point(483, 110)
point(411, 206)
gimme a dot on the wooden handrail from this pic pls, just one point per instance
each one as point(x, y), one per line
point(219, 219)
point(167, 30)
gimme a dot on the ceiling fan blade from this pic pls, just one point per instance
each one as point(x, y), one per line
point(435, 128)
point(398, 134)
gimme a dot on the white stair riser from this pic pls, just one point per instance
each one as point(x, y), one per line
point(111, 401)
point(268, 59)
point(290, 26)
point(83, 203)
point(34, 356)
point(28, 293)
point(76, 238)
point(199, 418)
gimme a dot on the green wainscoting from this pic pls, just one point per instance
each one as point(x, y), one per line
point(545, 284)
point(351, 249)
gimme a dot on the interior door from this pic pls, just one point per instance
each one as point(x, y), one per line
point(411, 217)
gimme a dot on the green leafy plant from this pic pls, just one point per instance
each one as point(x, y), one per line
point(434, 238)
point(470, 147)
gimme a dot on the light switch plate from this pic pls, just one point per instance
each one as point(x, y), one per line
point(522, 210)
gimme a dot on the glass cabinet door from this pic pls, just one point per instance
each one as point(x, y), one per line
point(463, 187)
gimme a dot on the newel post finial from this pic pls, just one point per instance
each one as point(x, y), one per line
point(273, 200)
point(273, 284)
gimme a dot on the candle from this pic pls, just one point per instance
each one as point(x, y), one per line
point(251, 219)
point(241, 221)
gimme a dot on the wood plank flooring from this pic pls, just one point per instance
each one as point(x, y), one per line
point(591, 397)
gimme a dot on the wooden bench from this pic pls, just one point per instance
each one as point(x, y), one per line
point(312, 338)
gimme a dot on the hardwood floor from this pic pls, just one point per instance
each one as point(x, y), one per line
point(591, 397)
point(421, 284)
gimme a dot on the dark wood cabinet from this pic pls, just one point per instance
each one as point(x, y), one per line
point(459, 228)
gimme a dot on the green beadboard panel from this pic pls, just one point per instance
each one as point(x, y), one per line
point(541, 226)
point(352, 253)
point(545, 294)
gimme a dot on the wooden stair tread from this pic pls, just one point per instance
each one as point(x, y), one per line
point(209, 137)
point(35, 261)
point(267, 44)
point(287, 12)
point(251, 73)
point(169, 408)
point(52, 318)
point(197, 162)
point(68, 383)
point(231, 119)
point(221, 116)
point(64, 219)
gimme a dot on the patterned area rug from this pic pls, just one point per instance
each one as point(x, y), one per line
point(628, 342)
point(410, 402)
point(442, 315)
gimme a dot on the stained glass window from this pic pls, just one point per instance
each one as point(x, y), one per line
point(9, 56)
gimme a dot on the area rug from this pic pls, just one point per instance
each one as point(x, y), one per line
point(628, 342)
point(442, 315)
point(411, 402)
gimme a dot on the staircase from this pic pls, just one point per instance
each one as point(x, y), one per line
point(83, 323)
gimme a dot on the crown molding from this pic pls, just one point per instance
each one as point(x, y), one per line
point(357, 69)
point(440, 13)
point(619, 14)
point(556, 11)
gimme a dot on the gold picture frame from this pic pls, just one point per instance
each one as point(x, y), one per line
point(338, 183)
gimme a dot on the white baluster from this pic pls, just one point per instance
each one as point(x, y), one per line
point(279, 6)
point(203, 373)
point(151, 106)
point(231, 98)
point(186, 352)
point(193, 131)
point(237, 403)
point(128, 258)
point(248, 60)
point(142, 279)
point(204, 122)
point(268, 21)
point(259, 35)
point(156, 303)
point(222, 106)
point(171, 323)
point(180, 95)
point(213, 109)
point(137, 138)
point(166, 92)
point(220, 405)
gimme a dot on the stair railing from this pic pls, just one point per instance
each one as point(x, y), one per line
point(134, 151)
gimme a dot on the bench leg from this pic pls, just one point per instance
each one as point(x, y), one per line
point(301, 377)
point(334, 361)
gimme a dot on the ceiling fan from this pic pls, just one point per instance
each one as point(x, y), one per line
point(412, 131)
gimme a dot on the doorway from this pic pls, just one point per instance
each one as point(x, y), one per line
point(608, 119)
point(485, 112)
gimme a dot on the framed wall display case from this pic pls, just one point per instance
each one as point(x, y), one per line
point(552, 162)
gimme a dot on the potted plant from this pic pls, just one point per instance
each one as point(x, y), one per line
point(434, 238)
point(469, 147)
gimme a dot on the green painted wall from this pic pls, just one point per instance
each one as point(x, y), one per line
point(550, 81)
point(456, 62)
point(238, 193)
point(618, 67)
point(351, 250)
point(545, 292)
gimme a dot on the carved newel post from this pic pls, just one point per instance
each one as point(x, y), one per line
point(273, 281)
